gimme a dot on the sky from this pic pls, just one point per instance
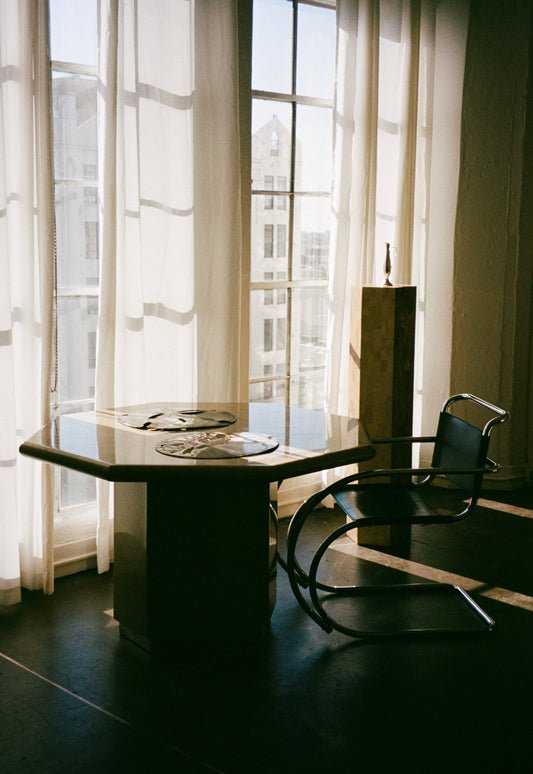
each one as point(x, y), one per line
point(68, 19)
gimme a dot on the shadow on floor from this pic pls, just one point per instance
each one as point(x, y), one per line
point(76, 697)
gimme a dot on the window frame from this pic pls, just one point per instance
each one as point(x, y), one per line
point(74, 524)
point(289, 285)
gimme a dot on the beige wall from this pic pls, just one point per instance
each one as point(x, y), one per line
point(492, 280)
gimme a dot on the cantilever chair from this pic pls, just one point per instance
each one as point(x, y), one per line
point(400, 496)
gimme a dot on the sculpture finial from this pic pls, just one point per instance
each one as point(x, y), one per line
point(387, 268)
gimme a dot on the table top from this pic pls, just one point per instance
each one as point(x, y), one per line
point(98, 444)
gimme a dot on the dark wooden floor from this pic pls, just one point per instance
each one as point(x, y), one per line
point(75, 697)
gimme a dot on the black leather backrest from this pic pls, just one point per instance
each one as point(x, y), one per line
point(460, 445)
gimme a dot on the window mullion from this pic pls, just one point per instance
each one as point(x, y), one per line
point(273, 96)
point(290, 246)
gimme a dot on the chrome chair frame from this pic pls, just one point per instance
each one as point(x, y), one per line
point(467, 478)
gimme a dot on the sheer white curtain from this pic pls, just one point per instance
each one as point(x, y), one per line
point(397, 121)
point(171, 249)
point(26, 296)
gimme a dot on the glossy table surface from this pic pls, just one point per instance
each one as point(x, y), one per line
point(98, 444)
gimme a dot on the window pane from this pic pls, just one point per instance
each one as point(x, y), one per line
point(308, 341)
point(316, 51)
point(312, 228)
point(268, 185)
point(67, 19)
point(308, 391)
point(76, 488)
point(75, 159)
point(77, 238)
point(268, 333)
point(273, 392)
point(281, 240)
point(269, 246)
point(314, 148)
point(272, 46)
point(75, 127)
point(77, 322)
point(271, 143)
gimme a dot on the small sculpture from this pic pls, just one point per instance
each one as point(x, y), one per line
point(387, 268)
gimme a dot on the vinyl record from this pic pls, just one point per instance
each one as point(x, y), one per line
point(210, 446)
point(173, 419)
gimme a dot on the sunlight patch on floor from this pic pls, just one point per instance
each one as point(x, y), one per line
point(440, 576)
point(514, 510)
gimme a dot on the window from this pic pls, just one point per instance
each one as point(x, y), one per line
point(89, 171)
point(268, 334)
point(269, 186)
point(281, 333)
point(292, 96)
point(91, 241)
point(281, 201)
point(269, 241)
point(73, 47)
point(91, 350)
point(90, 195)
point(281, 240)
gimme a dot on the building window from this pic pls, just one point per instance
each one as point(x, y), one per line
point(91, 350)
point(281, 240)
point(274, 144)
point(268, 335)
point(269, 186)
point(91, 241)
point(89, 171)
point(269, 241)
point(281, 201)
point(281, 333)
point(90, 195)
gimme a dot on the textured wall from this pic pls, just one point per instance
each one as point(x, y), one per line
point(491, 349)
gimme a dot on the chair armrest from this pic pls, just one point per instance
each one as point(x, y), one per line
point(491, 466)
point(412, 472)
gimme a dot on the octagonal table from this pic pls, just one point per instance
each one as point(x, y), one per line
point(193, 553)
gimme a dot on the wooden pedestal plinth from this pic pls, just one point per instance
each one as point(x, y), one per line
point(381, 381)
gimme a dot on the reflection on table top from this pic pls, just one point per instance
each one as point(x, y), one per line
point(98, 444)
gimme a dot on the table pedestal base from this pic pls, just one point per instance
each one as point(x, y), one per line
point(193, 563)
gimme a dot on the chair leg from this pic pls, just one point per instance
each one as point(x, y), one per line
point(277, 558)
point(297, 576)
point(483, 622)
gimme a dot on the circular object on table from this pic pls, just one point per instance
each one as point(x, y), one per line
point(177, 419)
point(210, 446)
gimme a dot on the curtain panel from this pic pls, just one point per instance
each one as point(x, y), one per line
point(397, 126)
point(26, 296)
point(171, 237)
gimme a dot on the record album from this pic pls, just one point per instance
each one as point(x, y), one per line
point(217, 445)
